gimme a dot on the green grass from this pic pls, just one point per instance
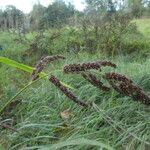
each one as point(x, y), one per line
point(144, 26)
point(115, 121)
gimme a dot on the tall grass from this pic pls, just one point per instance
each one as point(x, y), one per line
point(115, 120)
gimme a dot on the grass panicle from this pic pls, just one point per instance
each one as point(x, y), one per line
point(42, 63)
point(126, 86)
point(107, 63)
point(77, 68)
point(94, 81)
point(135, 92)
point(109, 118)
point(117, 77)
point(66, 91)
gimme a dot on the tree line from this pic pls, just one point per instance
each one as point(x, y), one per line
point(40, 17)
point(59, 13)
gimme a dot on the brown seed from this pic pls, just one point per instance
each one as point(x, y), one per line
point(66, 91)
point(126, 86)
point(117, 77)
point(42, 63)
point(94, 81)
point(76, 68)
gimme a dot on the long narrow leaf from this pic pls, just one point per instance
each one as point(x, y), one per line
point(15, 64)
point(77, 142)
point(24, 67)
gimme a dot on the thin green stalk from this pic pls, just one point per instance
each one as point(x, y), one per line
point(23, 89)
point(113, 124)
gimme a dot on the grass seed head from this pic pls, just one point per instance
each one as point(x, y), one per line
point(127, 87)
point(42, 63)
point(107, 63)
point(66, 91)
point(135, 92)
point(77, 68)
point(117, 77)
point(94, 81)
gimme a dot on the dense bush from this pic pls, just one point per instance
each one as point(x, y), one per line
point(113, 36)
point(136, 46)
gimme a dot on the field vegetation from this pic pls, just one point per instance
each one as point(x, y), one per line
point(77, 83)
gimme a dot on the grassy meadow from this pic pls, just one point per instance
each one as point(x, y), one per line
point(143, 26)
point(37, 113)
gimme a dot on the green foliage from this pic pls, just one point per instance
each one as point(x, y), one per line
point(106, 34)
point(59, 13)
point(136, 7)
point(78, 142)
point(101, 7)
point(137, 46)
point(11, 18)
point(56, 15)
point(111, 37)
point(24, 68)
point(115, 120)
point(38, 115)
point(36, 17)
point(17, 65)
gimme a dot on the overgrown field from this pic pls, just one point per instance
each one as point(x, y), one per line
point(41, 116)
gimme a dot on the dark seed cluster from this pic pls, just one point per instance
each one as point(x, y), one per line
point(42, 63)
point(135, 92)
point(107, 63)
point(76, 68)
point(127, 87)
point(66, 91)
point(117, 77)
point(94, 81)
point(118, 82)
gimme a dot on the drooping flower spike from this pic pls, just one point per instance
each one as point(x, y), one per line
point(66, 91)
point(42, 63)
point(77, 68)
point(126, 86)
point(94, 81)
